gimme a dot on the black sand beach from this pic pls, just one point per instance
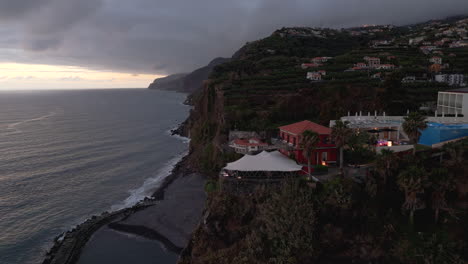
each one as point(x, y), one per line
point(162, 227)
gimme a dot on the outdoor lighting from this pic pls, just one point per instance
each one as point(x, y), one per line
point(239, 178)
point(389, 143)
point(324, 163)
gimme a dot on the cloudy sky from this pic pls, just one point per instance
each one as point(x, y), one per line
point(121, 43)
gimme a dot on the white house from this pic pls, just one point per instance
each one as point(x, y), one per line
point(437, 60)
point(248, 146)
point(451, 79)
point(408, 79)
point(386, 67)
point(314, 76)
point(372, 61)
point(453, 102)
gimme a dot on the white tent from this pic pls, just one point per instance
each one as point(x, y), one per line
point(265, 161)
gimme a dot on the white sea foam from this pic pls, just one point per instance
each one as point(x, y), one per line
point(14, 126)
point(150, 185)
point(186, 140)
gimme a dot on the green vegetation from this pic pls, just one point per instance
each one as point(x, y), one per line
point(340, 134)
point(309, 143)
point(408, 211)
point(320, 168)
point(211, 186)
point(413, 126)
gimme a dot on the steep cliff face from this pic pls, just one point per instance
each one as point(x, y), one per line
point(207, 129)
point(173, 82)
point(187, 82)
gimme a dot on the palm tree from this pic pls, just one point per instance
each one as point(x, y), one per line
point(455, 151)
point(385, 162)
point(309, 142)
point(441, 182)
point(413, 125)
point(340, 134)
point(412, 181)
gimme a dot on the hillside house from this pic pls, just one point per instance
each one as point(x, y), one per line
point(439, 43)
point(458, 44)
point(377, 76)
point(310, 65)
point(314, 76)
point(416, 41)
point(409, 79)
point(451, 79)
point(323, 72)
point(248, 146)
point(427, 49)
point(326, 151)
point(373, 62)
point(436, 60)
point(435, 68)
point(386, 67)
point(361, 65)
point(321, 59)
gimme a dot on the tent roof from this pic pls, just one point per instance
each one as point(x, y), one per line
point(265, 161)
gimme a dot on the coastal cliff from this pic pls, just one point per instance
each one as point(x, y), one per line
point(187, 82)
point(341, 221)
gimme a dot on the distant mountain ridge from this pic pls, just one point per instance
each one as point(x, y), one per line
point(187, 82)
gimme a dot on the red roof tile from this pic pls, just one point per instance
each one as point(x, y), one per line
point(299, 128)
point(245, 142)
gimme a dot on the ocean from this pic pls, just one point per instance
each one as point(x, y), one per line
point(68, 155)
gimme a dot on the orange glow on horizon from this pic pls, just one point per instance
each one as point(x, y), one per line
point(36, 76)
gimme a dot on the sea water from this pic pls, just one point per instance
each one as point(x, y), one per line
point(68, 155)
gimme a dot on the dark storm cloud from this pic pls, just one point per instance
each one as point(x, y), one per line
point(161, 36)
point(10, 9)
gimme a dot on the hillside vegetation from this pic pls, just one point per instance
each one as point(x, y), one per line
point(265, 86)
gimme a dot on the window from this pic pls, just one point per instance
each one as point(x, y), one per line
point(324, 156)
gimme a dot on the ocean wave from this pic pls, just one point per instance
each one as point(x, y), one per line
point(13, 126)
point(150, 185)
point(185, 140)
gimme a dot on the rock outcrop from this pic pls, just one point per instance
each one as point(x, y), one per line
point(187, 83)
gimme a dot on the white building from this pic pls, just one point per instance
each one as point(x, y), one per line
point(386, 67)
point(408, 79)
point(314, 76)
point(451, 79)
point(437, 60)
point(372, 61)
point(453, 102)
point(248, 146)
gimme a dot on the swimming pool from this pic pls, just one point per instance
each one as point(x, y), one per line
point(436, 133)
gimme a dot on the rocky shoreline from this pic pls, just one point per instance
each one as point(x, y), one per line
point(68, 246)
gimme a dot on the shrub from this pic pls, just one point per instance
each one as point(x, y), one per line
point(320, 168)
point(211, 186)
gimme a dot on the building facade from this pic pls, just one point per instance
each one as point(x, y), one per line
point(248, 146)
point(453, 102)
point(451, 79)
point(324, 154)
point(314, 76)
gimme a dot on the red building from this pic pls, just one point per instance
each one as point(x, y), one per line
point(326, 151)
